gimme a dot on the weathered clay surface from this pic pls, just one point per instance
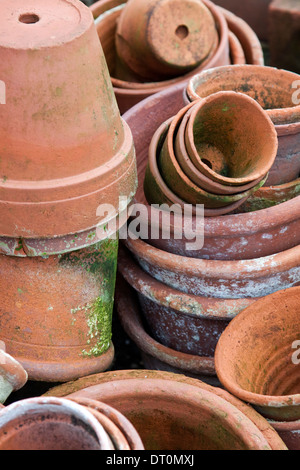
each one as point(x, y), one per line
point(255, 357)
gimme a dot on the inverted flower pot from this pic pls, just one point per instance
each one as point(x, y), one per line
point(158, 192)
point(131, 91)
point(256, 359)
point(136, 393)
point(238, 236)
point(183, 322)
point(56, 311)
point(13, 376)
point(50, 423)
point(173, 37)
point(221, 279)
point(64, 147)
point(274, 90)
point(224, 145)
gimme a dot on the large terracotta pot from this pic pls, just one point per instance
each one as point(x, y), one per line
point(186, 323)
point(136, 393)
point(172, 39)
point(238, 236)
point(64, 147)
point(256, 359)
point(56, 311)
point(13, 376)
point(222, 279)
point(276, 99)
point(131, 92)
point(50, 423)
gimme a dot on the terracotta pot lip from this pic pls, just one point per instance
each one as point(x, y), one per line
point(230, 269)
point(132, 323)
point(188, 183)
point(85, 22)
point(157, 86)
point(259, 174)
point(259, 400)
point(236, 49)
point(275, 113)
point(12, 370)
point(167, 296)
point(280, 187)
point(64, 405)
point(285, 425)
point(163, 128)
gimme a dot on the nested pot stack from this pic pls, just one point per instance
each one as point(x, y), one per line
point(185, 299)
point(65, 152)
point(140, 68)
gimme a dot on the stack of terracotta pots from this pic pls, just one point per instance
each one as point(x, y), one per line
point(50, 423)
point(257, 360)
point(149, 63)
point(186, 296)
point(65, 151)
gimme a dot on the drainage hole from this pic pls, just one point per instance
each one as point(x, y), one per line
point(29, 18)
point(207, 163)
point(182, 32)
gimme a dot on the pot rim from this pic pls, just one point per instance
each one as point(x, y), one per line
point(262, 401)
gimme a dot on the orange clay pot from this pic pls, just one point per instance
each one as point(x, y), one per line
point(50, 423)
point(158, 192)
point(221, 279)
point(56, 311)
point(274, 95)
point(12, 374)
point(65, 149)
point(255, 356)
point(137, 389)
point(173, 37)
point(224, 145)
point(237, 236)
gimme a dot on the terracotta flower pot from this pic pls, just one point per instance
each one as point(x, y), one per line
point(12, 375)
point(158, 192)
point(221, 279)
point(220, 140)
point(183, 322)
point(276, 99)
point(289, 433)
point(47, 181)
point(56, 312)
point(254, 356)
point(237, 54)
point(50, 423)
point(139, 388)
point(238, 236)
point(121, 432)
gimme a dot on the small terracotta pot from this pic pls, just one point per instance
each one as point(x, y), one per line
point(254, 356)
point(158, 192)
point(238, 236)
point(193, 172)
point(182, 322)
point(56, 312)
point(220, 140)
point(173, 37)
point(133, 392)
point(236, 51)
point(120, 430)
point(258, 82)
point(12, 374)
point(47, 181)
point(49, 423)
point(221, 279)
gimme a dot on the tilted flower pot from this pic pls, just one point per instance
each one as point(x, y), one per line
point(64, 147)
point(131, 91)
point(182, 402)
point(13, 376)
point(172, 39)
point(238, 236)
point(56, 311)
point(256, 358)
point(274, 90)
point(183, 322)
point(51, 423)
